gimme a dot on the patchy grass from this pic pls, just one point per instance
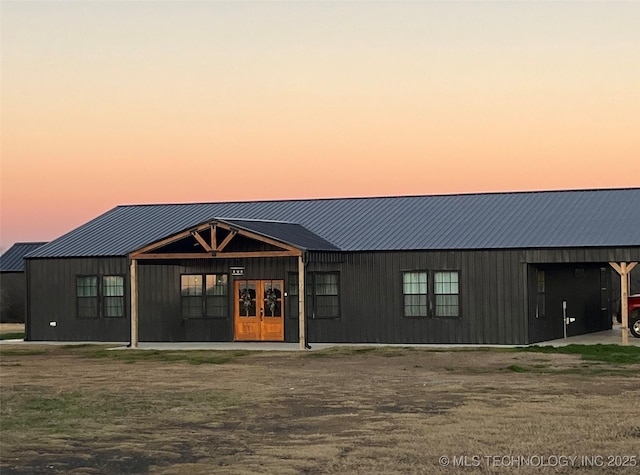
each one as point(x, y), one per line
point(191, 357)
point(12, 336)
point(83, 413)
point(88, 410)
point(20, 352)
point(518, 369)
point(342, 351)
point(606, 353)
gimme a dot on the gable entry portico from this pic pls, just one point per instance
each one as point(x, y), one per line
point(226, 239)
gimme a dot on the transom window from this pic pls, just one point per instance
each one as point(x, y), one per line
point(204, 295)
point(105, 300)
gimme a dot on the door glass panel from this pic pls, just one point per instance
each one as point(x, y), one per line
point(247, 299)
point(272, 299)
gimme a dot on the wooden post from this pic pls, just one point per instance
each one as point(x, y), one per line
point(301, 295)
point(133, 274)
point(623, 269)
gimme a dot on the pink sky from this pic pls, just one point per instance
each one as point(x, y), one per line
point(108, 103)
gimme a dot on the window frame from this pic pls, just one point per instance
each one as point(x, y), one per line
point(123, 296)
point(95, 297)
point(204, 297)
point(312, 295)
point(293, 311)
point(101, 296)
point(435, 300)
point(426, 294)
point(431, 293)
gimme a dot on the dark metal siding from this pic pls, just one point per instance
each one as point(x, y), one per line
point(497, 296)
point(492, 298)
point(585, 254)
point(52, 297)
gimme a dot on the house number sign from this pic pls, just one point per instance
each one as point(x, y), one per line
point(237, 271)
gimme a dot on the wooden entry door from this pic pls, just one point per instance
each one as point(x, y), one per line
point(259, 310)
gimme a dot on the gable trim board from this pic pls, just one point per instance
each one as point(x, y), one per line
point(367, 242)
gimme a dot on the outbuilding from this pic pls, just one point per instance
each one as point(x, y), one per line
point(13, 282)
point(492, 268)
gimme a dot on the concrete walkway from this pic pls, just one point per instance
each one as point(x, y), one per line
point(609, 337)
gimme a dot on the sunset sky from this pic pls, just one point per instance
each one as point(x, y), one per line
point(122, 102)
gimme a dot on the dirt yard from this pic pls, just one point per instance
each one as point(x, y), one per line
point(85, 410)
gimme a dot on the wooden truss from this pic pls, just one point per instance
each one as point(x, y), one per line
point(215, 247)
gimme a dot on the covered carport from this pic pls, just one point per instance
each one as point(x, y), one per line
point(624, 271)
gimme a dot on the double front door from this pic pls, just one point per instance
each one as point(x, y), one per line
point(259, 310)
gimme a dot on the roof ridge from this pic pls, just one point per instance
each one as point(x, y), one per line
point(378, 197)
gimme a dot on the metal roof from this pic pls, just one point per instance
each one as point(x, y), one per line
point(12, 259)
point(288, 233)
point(543, 219)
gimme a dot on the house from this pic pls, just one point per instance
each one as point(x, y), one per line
point(12, 282)
point(491, 268)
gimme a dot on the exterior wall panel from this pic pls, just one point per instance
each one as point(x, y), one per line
point(52, 298)
point(492, 310)
point(13, 297)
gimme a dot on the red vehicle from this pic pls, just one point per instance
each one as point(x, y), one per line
point(634, 315)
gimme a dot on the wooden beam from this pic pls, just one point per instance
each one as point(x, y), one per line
point(201, 240)
point(616, 267)
point(168, 240)
point(215, 255)
point(624, 269)
point(301, 295)
point(214, 238)
point(133, 284)
point(226, 240)
point(175, 255)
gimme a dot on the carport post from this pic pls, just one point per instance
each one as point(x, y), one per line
point(133, 274)
point(301, 292)
point(624, 269)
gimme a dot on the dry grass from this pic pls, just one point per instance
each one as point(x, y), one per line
point(11, 328)
point(77, 410)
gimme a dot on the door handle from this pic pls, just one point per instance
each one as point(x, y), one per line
point(261, 313)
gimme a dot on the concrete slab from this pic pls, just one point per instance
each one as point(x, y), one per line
point(609, 337)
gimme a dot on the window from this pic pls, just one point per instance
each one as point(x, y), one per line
point(445, 290)
point(323, 290)
point(540, 301)
point(96, 300)
point(216, 292)
point(113, 296)
point(204, 295)
point(431, 294)
point(87, 296)
point(293, 303)
point(414, 289)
